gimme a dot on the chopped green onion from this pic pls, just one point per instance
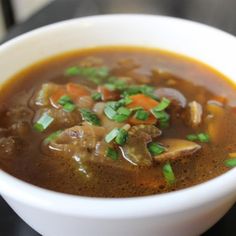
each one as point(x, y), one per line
point(69, 107)
point(90, 116)
point(102, 71)
point(114, 105)
point(192, 137)
point(94, 74)
point(52, 136)
point(64, 99)
point(161, 115)
point(156, 149)
point(136, 108)
point(125, 101)
point(141, 115)
point(132, 90)
point(120, 118)
point(72, 71)
point(116, 84)
point(204, 138)
point(122, 137)
point(114, 111)
point(109, 111)
point(201, 137)
point(96, 96)
point(168, 174)
point(124, 111)
point(44, 121)
point(112, 153)
point(162, 105)
point(144, 89)
point(67, 103)
point(230, 162)
point(111, 135)
point(110, 87)
point(147, 90)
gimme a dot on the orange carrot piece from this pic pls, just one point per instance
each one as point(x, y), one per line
point(151, 120)
point(76, 90)
point(141, 100)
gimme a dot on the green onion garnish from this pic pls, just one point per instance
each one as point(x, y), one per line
point(67, 103)
point(109, 111)
point(192, 137)
point(111, 135)
point(102, 71)
point(201, 137)
point(136, 108)
point(168, 174)
point(72, 71)
point(69, 107)
point(96, 96)
point(95, 74)
point(110, 87)
point(162, 105)
point(125, 101)
point(144, 89)
point(204, 138)
point(124, 111)
point(112, 153)
point(64, 99)
point(141, 115)
point(160, 115)
point(114, 104)
point(115, 111)
point(52, 136)
point(44, 121)
point(155, 149)
point(116, 83)
point(230, 162)
point(120, 118)
point(90, 116)
point(122, 137)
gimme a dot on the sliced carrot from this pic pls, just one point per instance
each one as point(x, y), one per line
point(151, 120)
point(56, 96)
point(107, 94)
point(76, 90)
point(141, 100)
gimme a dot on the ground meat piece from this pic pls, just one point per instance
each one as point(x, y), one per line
point(62, 119)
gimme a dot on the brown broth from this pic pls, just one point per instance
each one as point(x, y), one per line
point(194, 79)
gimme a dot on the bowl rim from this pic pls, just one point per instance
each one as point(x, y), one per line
point(134, 207)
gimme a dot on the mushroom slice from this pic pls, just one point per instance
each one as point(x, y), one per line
point(135, 150)
point(195, 110)
point(176, 97)
point(177, 148)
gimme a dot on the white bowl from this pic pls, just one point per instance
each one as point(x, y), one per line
point(186, 212)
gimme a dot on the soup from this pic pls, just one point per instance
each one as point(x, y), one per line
point(117, 122)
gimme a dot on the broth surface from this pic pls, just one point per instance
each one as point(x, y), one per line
point(22, 153)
